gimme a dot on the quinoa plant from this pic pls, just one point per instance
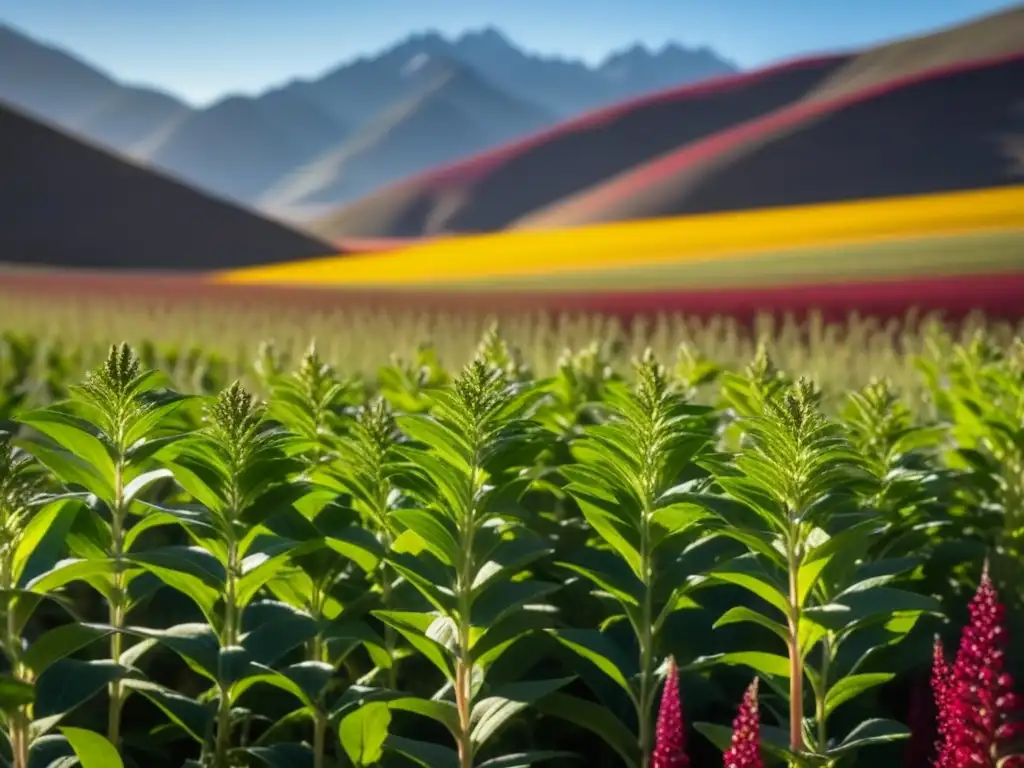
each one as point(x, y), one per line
point(103, 441)
point(492, 569)
point(796, 485)
point(626, 481)
point(464, 551)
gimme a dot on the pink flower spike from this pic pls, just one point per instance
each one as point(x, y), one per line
point(669, 741)
point(942, 684)
point(744, 752)
point(979, 714)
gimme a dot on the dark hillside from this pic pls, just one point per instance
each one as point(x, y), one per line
point(953, 129)
point(69, 204)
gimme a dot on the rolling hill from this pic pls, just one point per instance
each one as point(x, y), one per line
point(76, 205)
point(492, 190)
point(939, 131)
point(593, 168)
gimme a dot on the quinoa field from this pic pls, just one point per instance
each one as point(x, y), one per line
point(431, 540)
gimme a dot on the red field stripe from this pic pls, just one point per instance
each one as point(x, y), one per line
point(999, 296)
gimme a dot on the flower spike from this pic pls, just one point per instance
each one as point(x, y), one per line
point(979, 715)
point(669, 742)
point(744, 752)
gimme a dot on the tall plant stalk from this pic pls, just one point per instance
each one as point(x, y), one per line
point(794, 495)
point(461, 551)
point(115, 423)
point(16, 492)
point(624, 485)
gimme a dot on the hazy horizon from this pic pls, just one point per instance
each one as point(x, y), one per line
point(203, 51)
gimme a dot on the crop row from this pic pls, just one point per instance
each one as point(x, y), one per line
point(203, 339)
point(489, 568)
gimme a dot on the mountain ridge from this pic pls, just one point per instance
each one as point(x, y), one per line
point(582, 170)
point(245, 148)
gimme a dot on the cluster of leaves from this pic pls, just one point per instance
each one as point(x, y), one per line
point(434, 567)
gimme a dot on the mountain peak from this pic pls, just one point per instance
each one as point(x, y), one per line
point(486, 36)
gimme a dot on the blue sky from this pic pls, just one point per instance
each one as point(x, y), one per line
point(201, 49)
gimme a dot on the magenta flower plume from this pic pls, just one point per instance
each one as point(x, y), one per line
point(942, 685)
point(744, 752)
point(979, 715)
point(669, 741)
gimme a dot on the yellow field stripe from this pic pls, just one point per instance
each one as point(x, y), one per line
point(687, 238)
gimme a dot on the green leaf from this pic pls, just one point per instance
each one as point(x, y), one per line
point(596, 719)
point(501, 599)
point(857, 607)
point(492, 712)
point(449, 445)
point(67, 571)
point(746, 572)
point(599, 650)
point(769, 664)
point(437, 532)
point(143, 481)
point(59, 643)
point(443, 712)
point(617, 535)
point(258, 569)
point(674, 519)
point(283, 755)
point(357, 544)
point(609, 573)
point(188, 570)
point(93, 750)
point(869, 733)
point(193, 718)
point(196, 644)
point(509, 556)
point(522, 759)
point(739, 614)
point(72, 470)
point(72, 435)
point(489, 644)
point(276, 634)
point(54, 518)
point(15, 693)
point(423, 753)
point(413, 627)
point(69, 683)
point(363, 733)
point(851, 686)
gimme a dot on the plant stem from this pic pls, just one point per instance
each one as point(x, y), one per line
point(390, 635)
point(796, 669)
point(319, 739)
point(646, 642)
point(229, 638)
point(464, 663)
point(390, 638)
point(116, 607)
point(18, 716)
point(317, 653)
